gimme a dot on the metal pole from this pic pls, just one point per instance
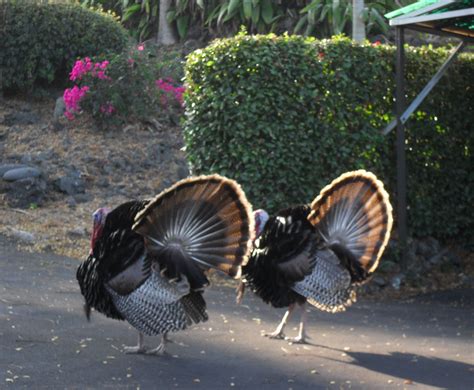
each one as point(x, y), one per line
point(401, 157)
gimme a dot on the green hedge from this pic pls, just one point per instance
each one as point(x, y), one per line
point(286, 115)
point(40, 42)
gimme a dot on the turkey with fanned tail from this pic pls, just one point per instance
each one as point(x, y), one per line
point(320, 253)
point(148, 259)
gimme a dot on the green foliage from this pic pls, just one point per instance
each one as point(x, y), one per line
point(286, 115)
point(140, 18)
point(319, 18)
point(39, 42)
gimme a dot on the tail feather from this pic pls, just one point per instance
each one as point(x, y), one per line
point(204, 220)
point(354, 214)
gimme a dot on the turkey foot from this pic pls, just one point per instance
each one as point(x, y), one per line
point(277, 334)
point(302, 336)
point(140, 348)
point(161, 349)
point(300, 339)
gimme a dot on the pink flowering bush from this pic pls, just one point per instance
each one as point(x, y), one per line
point(129, 87)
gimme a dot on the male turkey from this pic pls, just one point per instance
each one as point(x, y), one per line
point(148, 258)
point(320, 253)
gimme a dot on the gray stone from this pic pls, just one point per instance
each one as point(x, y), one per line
point(71, 202)
point(26, 159)
point(379, 281)
point(83, 198)
point(396, 281)
point(78, 232)
point(26, 192)
point(71, 185)
point(438, 258)
point(428, 247)
point(8, 167)
point(59, 108)
point(23, 236)
point(21, 118)
point(103, 182)
point(21, 173)
point(182, 172)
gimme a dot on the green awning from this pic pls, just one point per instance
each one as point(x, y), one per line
point(453, 17)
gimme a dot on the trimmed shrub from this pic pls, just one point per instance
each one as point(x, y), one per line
point(40, 42)
point(286, 115)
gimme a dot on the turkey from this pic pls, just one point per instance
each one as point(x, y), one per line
point(148, 259)
point(319, 253)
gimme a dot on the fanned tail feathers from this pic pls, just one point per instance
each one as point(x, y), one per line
point(200, 222)
point(354, 216)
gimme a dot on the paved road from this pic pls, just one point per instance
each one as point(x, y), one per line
point(45, 341)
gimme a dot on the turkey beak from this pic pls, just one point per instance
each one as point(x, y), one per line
point(87, 311)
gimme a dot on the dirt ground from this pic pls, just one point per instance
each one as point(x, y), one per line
point(115, 166)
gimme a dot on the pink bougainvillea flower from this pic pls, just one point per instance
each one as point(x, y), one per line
point(376, 43)
point(81, 67)
point(85, 66)
point(141, 47)
point(72, 97)
point(167, 86)
point(107, 109)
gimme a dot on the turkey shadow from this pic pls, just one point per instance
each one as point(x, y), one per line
point(430, 371)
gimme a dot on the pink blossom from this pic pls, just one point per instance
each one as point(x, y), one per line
point(72, 97)
point(85, 66)
point(376, 43)
point(107, 109)
point(166, 86)
point(141, 47)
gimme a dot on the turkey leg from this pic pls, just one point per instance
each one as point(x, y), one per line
point(278, 333)
point(160, 350)
point(140, 348)
point(302, 336)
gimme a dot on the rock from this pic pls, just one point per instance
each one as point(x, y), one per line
point(83, 198)
point(396, 281)
point(21, 118)
point(26, 159)
point(103, 182)
point(24, 193)
point(23, 236)
point(438, 258)
point(379, 281)
point(388, 266)
point(71, 202)
point(21, 173)
point(182, 172)
point(59, 108)
point(71, 184)
point(428, 247)
point(8, 167)
point(78, 232)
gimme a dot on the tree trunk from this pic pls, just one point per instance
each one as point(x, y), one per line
point(358, 25)
point(165, 30)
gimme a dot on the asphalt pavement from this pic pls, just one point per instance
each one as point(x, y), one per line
point(46, 342)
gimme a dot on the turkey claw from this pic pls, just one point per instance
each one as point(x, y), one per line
point(134, 350)
point(275, 335)
point(158, 351)
point(297, 340)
